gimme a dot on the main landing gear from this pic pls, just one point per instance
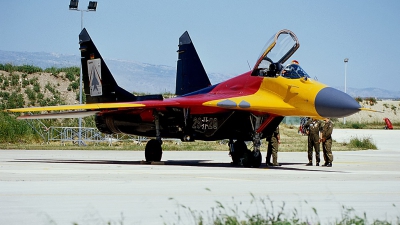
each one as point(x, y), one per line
point(242, 156)
point(153, 150)
point(238, 149)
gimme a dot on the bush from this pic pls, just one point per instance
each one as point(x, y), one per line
point(15, 101)
point(53, 70)
point(74, 85)
point(15, 131)
point(364, 143)
point(371, 101)
point(31, 94)
point(359, 99)
point(70, 76)
point(29, 69)
point(358, 125)
point(50, 88)
point(14, 79)
point(36, 87)
point(4, 95)
point(6, 84)
point(7, 67)
point(25, 83)
point(34, 81)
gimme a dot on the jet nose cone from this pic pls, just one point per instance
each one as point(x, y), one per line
point(330, 102)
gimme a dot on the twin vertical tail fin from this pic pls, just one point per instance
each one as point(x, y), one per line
point(99, 84)
point(190, 74)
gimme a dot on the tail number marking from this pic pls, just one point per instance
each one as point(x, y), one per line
point(205, 123)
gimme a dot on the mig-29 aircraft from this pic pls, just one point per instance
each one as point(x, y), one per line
point(247, 107)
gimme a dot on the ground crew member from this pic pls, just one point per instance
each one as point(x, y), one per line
point(313, 128)
point(327, 142)
point(273, 143)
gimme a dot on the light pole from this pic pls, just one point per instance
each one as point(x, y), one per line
point(346, 60)
point(73, 5)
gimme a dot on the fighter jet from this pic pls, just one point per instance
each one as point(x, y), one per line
point(247, 107)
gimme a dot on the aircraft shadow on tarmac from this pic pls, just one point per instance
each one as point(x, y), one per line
point(189, 163)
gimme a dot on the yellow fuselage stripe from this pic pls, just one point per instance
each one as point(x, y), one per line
point(280, 96)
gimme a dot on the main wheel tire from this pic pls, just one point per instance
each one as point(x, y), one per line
point(153, 151)
point(250, 160)
point(239, 148)
point(247, 158)
point(257, 160)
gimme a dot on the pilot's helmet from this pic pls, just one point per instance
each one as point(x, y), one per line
point(288, 67)
point(295, 62)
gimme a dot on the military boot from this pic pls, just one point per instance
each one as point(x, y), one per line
point(268, 160)
point(275, 161)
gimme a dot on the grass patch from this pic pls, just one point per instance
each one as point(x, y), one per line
point(264, 211)
point(291, 141)
point(363, 143)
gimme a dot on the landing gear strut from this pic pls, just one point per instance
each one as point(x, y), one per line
point(153, 150)
point(254, 158)
point(238, 149)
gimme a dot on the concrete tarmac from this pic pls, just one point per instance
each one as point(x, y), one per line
point(97, 187)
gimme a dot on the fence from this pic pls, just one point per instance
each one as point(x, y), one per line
point(83, 135)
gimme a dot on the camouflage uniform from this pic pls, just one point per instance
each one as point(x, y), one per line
point(327, 142)
point(273, 143)
point(313, 128)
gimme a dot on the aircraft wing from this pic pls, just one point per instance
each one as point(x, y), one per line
point(92, 106)
point(63, 115)
point(86, 109)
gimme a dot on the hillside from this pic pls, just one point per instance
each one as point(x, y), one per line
point(387, 109)
point(131, 75)
point(49, 87)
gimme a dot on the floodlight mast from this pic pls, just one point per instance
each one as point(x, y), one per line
point(346, 60)
point(73, 5)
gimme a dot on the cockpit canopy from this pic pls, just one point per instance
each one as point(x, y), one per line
point(276, 52)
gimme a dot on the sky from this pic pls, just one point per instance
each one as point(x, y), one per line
point(228, 34)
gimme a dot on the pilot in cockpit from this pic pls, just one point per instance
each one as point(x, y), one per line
point(293, 71)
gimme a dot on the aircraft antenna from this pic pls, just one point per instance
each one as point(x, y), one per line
point(248, 64)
